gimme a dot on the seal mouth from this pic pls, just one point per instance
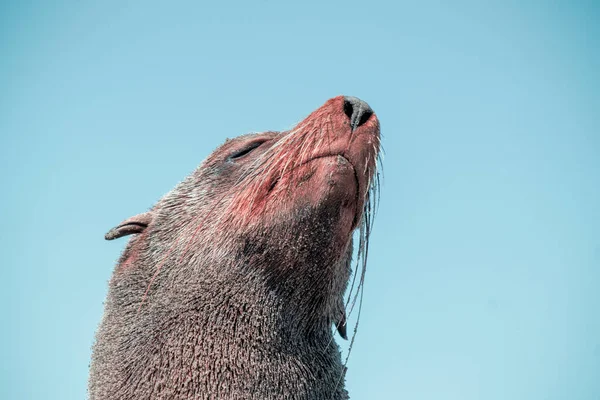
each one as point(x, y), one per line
point(346, 160)
point(341, 155)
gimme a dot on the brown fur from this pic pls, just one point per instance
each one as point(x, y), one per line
point(234, 279)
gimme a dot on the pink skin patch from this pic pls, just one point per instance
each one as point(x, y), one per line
point(339, 160)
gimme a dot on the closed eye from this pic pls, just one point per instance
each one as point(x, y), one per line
point(245, 150)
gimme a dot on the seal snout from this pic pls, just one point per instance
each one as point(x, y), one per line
point(357, 110)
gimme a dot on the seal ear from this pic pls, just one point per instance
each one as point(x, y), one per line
point(135, 224)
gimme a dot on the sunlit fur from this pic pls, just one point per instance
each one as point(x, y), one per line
point(235, 278)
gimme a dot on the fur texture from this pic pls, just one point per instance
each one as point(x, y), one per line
point(232, 283)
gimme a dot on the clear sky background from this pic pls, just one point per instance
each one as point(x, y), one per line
point(485, 257)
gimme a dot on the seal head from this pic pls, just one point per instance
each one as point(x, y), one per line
point(233, 280)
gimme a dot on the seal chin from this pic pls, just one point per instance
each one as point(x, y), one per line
point(330, 182)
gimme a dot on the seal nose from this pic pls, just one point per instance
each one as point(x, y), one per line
point(357, 110)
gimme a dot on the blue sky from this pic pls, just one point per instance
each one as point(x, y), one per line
point(485, 255)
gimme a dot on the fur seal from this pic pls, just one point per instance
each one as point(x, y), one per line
point(233, 280)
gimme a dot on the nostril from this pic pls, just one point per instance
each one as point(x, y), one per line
point(357, 111)
point(348, 109)
point(365, 117)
